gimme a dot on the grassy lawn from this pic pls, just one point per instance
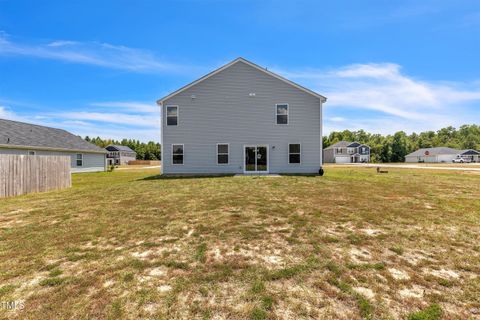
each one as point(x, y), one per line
point(352, 244)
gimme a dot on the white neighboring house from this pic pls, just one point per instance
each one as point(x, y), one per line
point(442, 154)
point(241, 119)
point(346, 152)
point(119, 155)
point(30, 139)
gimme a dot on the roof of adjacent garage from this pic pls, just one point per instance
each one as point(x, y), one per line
point(434, 152)
point(21, 135)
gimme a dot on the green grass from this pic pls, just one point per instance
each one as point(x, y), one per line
point(200, 255)
point(365, 266)
point(52, 282)
point(129, 244)
point(433, 312)
point(397, 249)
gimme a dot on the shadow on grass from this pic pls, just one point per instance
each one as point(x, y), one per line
point(200, 176)
point(164, 177)
point(307, 175)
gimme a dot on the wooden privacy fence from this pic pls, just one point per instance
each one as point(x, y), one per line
point(144, 162)
point(21, 174)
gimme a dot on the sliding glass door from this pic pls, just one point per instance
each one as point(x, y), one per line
point(256, 159)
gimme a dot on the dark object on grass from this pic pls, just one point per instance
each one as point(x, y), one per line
point(321, 172)
point(381, 171)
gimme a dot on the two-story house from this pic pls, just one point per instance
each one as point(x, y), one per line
point(119, 155)
point(346, 152)
point(241, 119)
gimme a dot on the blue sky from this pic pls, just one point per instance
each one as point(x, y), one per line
point(97, 67)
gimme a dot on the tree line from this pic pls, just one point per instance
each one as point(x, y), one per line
point(393, 148)
point(145, 151)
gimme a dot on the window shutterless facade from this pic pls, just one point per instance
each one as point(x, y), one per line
point(172, 116)
point(281, 113)
point(177, 153)
point(79, 160)
point(222, 153)
point(294, 153)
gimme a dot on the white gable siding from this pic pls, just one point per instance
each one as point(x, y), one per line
point(224, 112)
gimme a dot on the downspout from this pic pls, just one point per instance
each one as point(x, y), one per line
point(320, 171)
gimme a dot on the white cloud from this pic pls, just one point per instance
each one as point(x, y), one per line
point(91, 53)
point(116, 118)
point(61, 43)
point(130, 106)
point(336, 119)
point(7, 113)
point(4, 113)
point(391, 100)
point(107, 130)
point(141, 126)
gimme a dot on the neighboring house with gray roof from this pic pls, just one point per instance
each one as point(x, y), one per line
point(346, 152)
point(30, 139)
point(119, 155)
point(442, 154)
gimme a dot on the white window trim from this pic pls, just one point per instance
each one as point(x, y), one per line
point(166, 115)
point(228, 154)
point(183, 154)
point(300, 153)
point(76, 159)
point(34, 153)
point(276, 114)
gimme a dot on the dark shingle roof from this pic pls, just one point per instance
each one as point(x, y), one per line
point(340, 144)
point(20, 134)
point(118, 148)
point(469, 152)
point(433, 151)
point(344, 144)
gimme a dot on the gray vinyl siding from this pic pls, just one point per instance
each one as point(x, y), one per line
point(223, 112)
point(328, 156)
point(125, 159)
point(92, 162)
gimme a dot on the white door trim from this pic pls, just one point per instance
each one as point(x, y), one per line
point(268, 159)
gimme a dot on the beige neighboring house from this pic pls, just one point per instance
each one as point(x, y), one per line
point(443, 154)
point(346, 152)
point(29, 139)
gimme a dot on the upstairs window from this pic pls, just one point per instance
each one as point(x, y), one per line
point(177, 153)
point(79, 160)
point(222, 153)
point(172, 115)
point(294, 153)
point(281, 112)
